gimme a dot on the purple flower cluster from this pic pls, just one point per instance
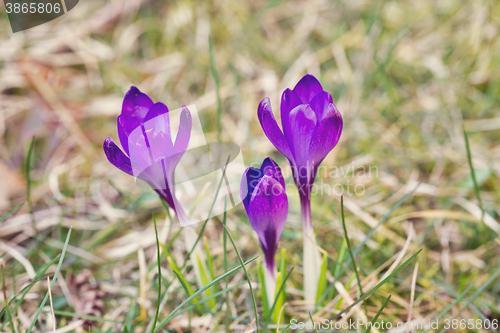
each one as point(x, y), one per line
point(311, 128)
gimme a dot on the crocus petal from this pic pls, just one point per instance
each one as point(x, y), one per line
point(326, 136)
point(267, 212)
point(307, 88)
point(184, 132)
point(126, 125)
point(136, 104)
point(249, 181)
point(303, 124)
point(157, 128)
point(271, 128)
point(321, 104)
point(160, 145)
point(157, 118)
point(116, 156)
point(269, 164)
point(289, 101)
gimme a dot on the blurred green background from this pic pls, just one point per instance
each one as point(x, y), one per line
point(407, 76)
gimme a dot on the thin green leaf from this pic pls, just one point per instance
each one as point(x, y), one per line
point(130, 317)
point(200, 291)
point(367, 238)
point(263, 290)
point(336, 269)
point(312, 321)
point(183, 283)
point(176, 270)
point(28, 167)
point(365, 296)
point(280, 290)
point(471, 299)
point(7, 307)
point(211, 270)
point(248, 279)
point(158, 259)
point(12, 211)
point(210, 259)
point(38, 277)
point(286, 328)
point(23, 293)
point(208, 218)
point(282, 264)
point(472, 172)
point(349, 245)
point(322, 277)
point(205, 280)
point(378, 314)
point(224, 248)
point(279, 300)
point(52, 283)
point(215, 75)
point(206, 299)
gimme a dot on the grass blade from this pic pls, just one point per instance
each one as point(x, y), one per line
point(224, 247)
point(378, 314)
point(312, 321)
point(185, 284)
point(200, 291)
point(215, 74)
point(7, 307)
point(12, 211)
point(368, 236)
point(210, 260)
point(471, 299)
point(336, 269)
point(282, 287)
point(279, 300)
point(322, 277)
point(263, 291)
point(472, 172)
point(208, 218)
point(248, 279)
point(286, 328)
point(380, 284)
point(211, 269)
point(28, 167)
point(158, 259)
point(478, 292)
point(38, 277)
point(349, 245)
point(53, 282)
point(209, 298)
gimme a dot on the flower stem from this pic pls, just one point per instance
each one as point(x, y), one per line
point(311, 258)
point(270, 278)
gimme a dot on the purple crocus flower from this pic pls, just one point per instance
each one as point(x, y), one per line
point(312, 126)
point(311, 129)
point(150, 154)
point(264, 197)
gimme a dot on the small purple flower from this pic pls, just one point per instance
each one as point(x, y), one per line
point(312, 126)
point(144, 132)
point(264, 197)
